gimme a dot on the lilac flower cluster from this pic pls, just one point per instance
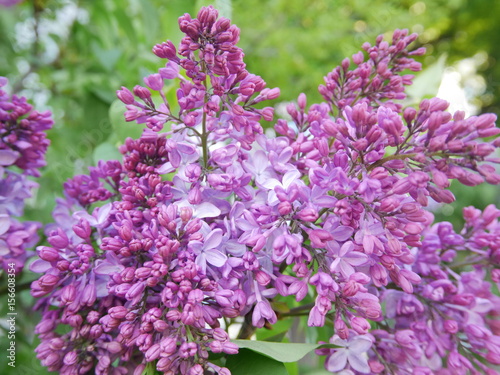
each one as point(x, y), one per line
point(212, 220)
point(9, 3)
point(23, 144)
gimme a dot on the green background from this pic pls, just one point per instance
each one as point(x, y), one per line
point(74, 68)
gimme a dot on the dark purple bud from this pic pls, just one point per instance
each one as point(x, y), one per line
point(48, 254)
point(58, 239)
point(142, 92)
point(125, 95)
point(166, 50)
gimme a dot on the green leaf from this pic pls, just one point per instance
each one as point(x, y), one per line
point(107, 58)
point(125, 22)
point(248, 362)
point(292, 368)
point(150, 369)
point(225, 8)
point(121, 128)
point(282, 352)
point(277, 331)
point(151, 18)
point(106, 151)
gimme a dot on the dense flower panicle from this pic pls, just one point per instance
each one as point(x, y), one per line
point(219, 97)
point(376, 81)
point(23, 144)
point(9, 3)
point(212, 219)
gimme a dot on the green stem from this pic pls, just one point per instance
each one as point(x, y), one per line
point(204, 133)
point(298, 311)
point(467, 263)
point(247, 329)
point(204, 138)
point(383, 361)
point(389, 158)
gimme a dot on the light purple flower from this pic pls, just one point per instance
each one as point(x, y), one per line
point(207, 251)
point(352, 352)
point(346, 259)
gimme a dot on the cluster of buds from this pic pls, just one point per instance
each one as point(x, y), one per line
point(212, 220)
point(23, 145)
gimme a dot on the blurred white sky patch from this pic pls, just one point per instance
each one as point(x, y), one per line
point(461, 85)
point(57, 25)
point(52, 29)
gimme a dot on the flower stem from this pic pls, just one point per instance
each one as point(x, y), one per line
point(389, 158)
point(204, 133)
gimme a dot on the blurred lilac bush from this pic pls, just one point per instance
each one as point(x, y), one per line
point(23, 144)
point(212, 219)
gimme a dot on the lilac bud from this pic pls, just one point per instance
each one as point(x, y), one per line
point(450, 326)
point(82, 229)
point(51, 360)
point(186, 214)
point(319, 237)
point(495, 275)
point(341, 329)
point(166, 50)
point(358, 58)
point(237, 109)
point(173, 315)
point(350, 288)
point(262, 278)
point(142, 92)
point(48, 281)
point(273, 93)
point(268, 113)
point(194, 195)
point(376, 367)
point(154, 82)
point(457, 361)
point(284, 208)
point(96, 331)
point(302, 101)
point(409, 114)
point(308, 214)
point(360, 277)
point(360, 325)
point(135, 290)
point(58, 239)
point(216, 347)
point(89, 294)
point(113, 347)
point(68, 294)
point(44, 326)
point(118, 312)
point(153, 353)
point(70, 358)
point(193, 172)
point(405, 338)
point(329, 127)
point(125, 95)
point(48, 254)
point(75, 321)
point(143, 272)
point(160, 325)
point(230, 348)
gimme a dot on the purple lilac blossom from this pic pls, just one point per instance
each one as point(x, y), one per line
point(23, 144)
point(211, 219)
point(9, 3)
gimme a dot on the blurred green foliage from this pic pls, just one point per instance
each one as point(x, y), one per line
point(71, 56)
